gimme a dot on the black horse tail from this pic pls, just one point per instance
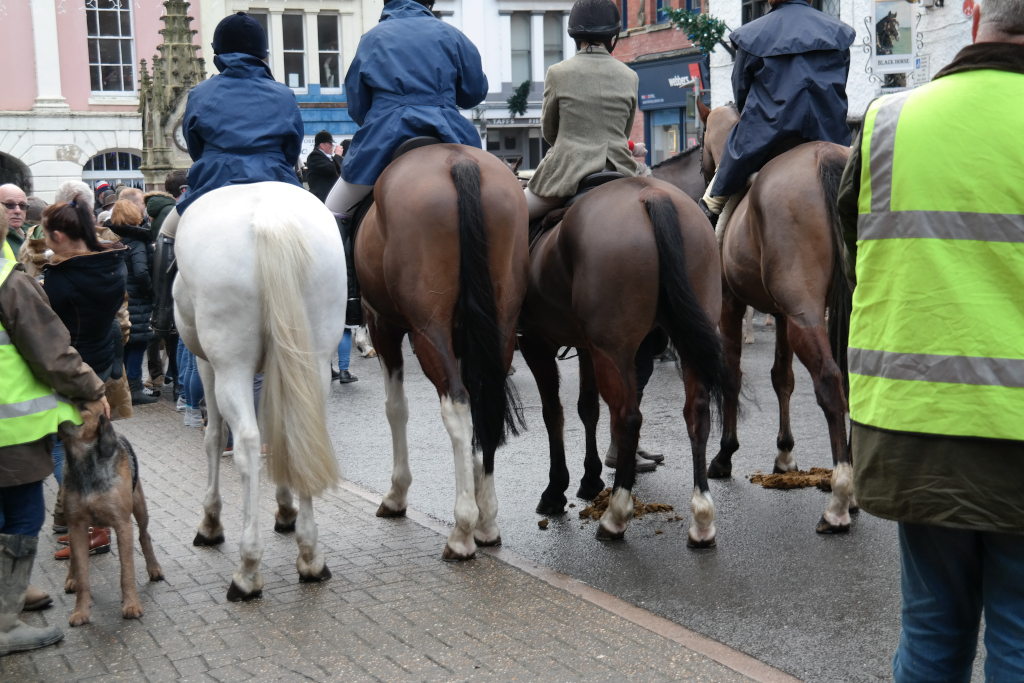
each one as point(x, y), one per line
point(493, 400)
point(831, 162)
point(679, 312)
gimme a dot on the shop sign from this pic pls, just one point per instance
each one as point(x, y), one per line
point(895, 45)
point(666, 83)
point(513, 122)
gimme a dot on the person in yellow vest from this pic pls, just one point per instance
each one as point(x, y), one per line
point(39, 375)
point(932, 205)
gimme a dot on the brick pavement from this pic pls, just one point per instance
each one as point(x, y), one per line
point(392, 612)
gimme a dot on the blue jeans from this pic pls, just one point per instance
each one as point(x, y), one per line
point(58, 462)
point(191, 382)
point(22, 509)
point(179, 358)
point(949, 576)
point(344, 350)
point(134, 354)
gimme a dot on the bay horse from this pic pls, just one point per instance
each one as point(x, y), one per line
point(783, 253)
point(442, 255)
point(684, 171)
point(261, 287)
point(629, 257)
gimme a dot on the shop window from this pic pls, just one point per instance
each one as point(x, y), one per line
point(329, 45)
point(493, 141)
point(665, 134)
point(292, 30)
point(116, 166)
point(111, 46)
point(511, 142)
point(552, 39)
point(521, 60)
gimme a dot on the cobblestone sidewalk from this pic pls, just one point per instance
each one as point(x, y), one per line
point(392, 612)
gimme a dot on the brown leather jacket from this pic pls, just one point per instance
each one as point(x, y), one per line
point(45, 344)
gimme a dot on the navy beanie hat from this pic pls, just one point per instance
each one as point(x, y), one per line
point(240, 33)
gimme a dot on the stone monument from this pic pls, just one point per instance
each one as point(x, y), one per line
point(163, 95)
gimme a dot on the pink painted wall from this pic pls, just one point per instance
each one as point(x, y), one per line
point(17, 55)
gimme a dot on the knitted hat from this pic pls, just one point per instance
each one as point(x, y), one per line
point(240, 33)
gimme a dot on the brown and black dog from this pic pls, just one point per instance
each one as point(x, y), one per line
point(102, 488)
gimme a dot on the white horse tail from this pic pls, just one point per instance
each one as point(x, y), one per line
point(293, 408)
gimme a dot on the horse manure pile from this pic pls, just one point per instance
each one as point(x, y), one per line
point(600, 504)
point(794, 479)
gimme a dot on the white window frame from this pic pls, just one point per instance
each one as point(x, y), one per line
point(302, 89)
point(120, 6)
point(128, 177)
point(340, 52)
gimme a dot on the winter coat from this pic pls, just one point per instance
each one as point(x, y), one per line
point(410, 75)
point(43, 341)
point(322, 172)
point(241, 127)
point(158, 205)
point(85, 292)
point(789, 81)
point(139, 260)
point(587, 116)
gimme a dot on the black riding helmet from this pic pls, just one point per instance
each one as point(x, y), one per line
point(595, 21)
point(429, 4)
point(240, 33)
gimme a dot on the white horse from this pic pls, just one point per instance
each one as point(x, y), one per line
point(261, 288)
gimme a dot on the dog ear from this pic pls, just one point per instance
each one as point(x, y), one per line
point(108, 438)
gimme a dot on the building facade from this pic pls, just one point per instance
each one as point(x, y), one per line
point(938, 32)
point(70, 106)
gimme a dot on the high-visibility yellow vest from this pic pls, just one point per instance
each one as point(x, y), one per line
point(29, 409)
point(8, 252)
point(937, 331)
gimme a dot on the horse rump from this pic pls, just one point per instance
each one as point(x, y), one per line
point(493, 399)
point(839, 298)
point(292, 404)
point(680, 313)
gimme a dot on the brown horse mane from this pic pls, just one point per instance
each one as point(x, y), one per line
point(677, 158)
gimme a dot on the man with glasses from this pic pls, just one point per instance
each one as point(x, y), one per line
point(15, 203)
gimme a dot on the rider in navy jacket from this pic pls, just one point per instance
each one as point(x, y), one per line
point(241, 126)
point(411, 74)
point(789, 81)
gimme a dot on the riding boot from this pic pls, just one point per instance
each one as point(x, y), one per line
point(139, 395)
point(712, 216)
point(17, 553)
point(611, 459)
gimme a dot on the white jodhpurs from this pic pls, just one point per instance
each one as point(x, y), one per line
point(345, 195)
point(170, 225)
point(540, 206)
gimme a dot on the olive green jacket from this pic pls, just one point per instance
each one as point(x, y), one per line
point(966, 483)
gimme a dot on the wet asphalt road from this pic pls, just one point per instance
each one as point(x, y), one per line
point(823, 608)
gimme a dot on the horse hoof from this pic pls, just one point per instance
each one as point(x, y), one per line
point(206, 540)
point(589, 492)
point(450, 555)
point(324, 574)
point(718, 471)
point(235, 594)
point(605, 535)
point(488, 544)
point(284, 528)
point(709, 543)
point(825, 528)
point(550, 508)
point(385, 511)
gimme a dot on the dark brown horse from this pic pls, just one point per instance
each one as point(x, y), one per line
point(443, 255)
point(683, 171)
point(629, 257)
point(783, 254)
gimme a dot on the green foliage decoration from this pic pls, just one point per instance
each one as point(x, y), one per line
point(517, 103)
point(703, 30)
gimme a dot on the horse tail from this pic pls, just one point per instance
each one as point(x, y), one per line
point(292, 404)
point(680, 313)
point(493, 400)
point(831, 162)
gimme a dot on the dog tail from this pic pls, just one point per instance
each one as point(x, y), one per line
point(293, 409)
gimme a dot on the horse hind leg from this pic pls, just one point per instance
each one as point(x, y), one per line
point(783, 382)
point(697, 411)
point(388, 342)
point(811, 346)
point(731, 324)
point(589, 408)
point(748, 323)
point(311, 563)
point(617, 383)
point(286, 514)
point(211, 530)
point(541, 358)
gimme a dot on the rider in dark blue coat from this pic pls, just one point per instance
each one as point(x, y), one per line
point(789, 81)
point(411, 74)
point(241, 126)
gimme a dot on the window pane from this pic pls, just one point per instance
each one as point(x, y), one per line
point(126, 23)
point(520, 31)
point(110, 52)
point(327, 32)
point(329, 77)
point(108, 24)
point(553, 31)
point(261, 17)
point(126, 52)
point(111, 77)
point(94, 52)
point(111, 158)
point(124, 163)
point(295, 73)
point(520, 67)
point(129, 81)
point(88, 166)
point(108, 4)
point(136, 162)
point(291, 25)
point(92, 22)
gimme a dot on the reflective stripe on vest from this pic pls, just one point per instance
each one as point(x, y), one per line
point(937, 330)
point(29, 409)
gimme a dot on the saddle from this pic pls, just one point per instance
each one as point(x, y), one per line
point(554, 217)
